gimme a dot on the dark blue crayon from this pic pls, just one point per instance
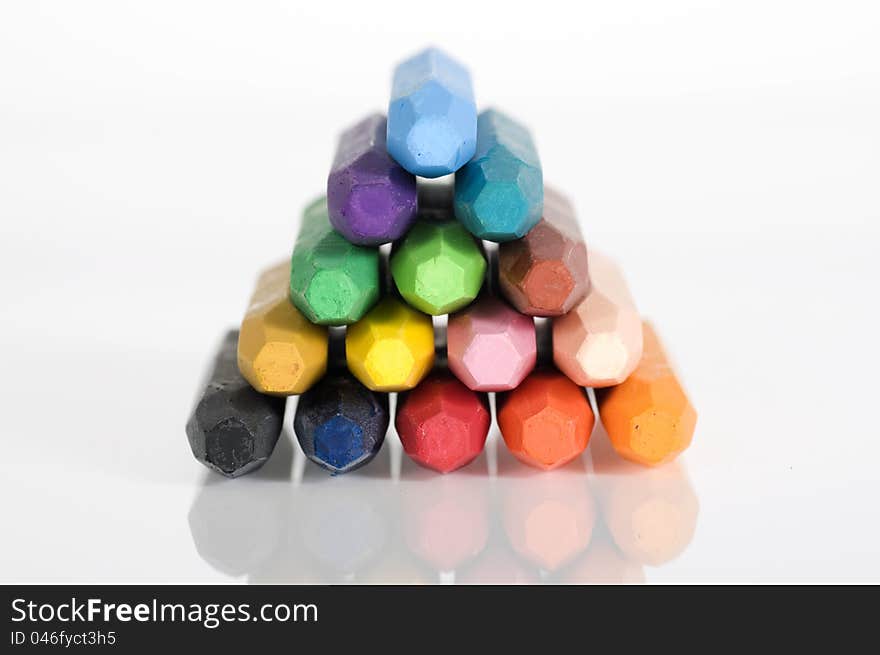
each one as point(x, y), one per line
point(340, 424)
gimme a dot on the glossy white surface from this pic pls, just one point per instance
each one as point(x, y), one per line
point(153, 156)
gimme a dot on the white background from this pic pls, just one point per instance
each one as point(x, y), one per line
point(155, 155)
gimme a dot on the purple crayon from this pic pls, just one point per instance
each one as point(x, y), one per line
point(371, 198)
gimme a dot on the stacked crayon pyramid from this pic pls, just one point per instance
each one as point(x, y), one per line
point(532, 315)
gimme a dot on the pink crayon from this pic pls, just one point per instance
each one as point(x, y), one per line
point(491, 346)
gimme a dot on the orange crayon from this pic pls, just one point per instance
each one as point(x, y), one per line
point(546, 421)
point(648, 417)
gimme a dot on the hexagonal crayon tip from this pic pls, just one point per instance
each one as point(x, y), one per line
point(442, 424)
point(279, 351)
point(545, 273)
point(648, 416)
point(233, 428)
point(491, 346)
point(432, 115)
point(391, 348)
point(499, 194)
point(599, 342)
point(340, 424)
point(371, 199)
point(332, 281)
point(546, 421)
point(438, 267)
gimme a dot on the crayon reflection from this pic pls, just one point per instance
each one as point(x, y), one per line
point(444, 518)
point(598, 520)
point(650, 513)
point(236, 532)
point(548, 516)
point(603, 563)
